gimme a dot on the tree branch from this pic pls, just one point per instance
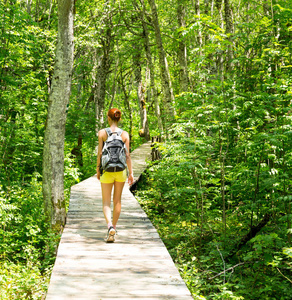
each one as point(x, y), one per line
point(283, 275)
point(227, 270)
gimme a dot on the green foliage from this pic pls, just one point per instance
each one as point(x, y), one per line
point(27, 247)
point(26, 58)
point(19, 281)
point(225, 167)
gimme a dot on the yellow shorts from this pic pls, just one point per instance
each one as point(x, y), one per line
point(111, 177)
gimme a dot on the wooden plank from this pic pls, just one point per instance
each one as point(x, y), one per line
point(136, 266)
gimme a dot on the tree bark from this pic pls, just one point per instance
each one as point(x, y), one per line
point(100, 88)
point(114, 86)
point(128, 106)
point(164, 71)
point(200, 38)
point(228, 31)
point(141, 88)
point(220, 59)
point(251, 234)
point(28, 6)
point(182, 49)
point(153, 92)
point(101, 79)
point(53, 154)
point(103, 66)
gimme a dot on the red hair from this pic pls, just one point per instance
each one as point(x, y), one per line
point(114, 114)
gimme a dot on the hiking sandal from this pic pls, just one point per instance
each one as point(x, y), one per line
point(111, 235)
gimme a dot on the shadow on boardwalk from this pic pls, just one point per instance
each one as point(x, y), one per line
point(136, 266)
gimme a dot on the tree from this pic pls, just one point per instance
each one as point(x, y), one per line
point(141, 89)
point(229, 31)
point(163, 65)
point(53, 154)
point(103, 58)
point(182, 49)
point(224, 178)
point(151, 92)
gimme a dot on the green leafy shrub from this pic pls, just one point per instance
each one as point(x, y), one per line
point(220, 195)
point(23, 281)
point(27, 247)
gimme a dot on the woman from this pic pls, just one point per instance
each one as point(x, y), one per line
point(109, 180)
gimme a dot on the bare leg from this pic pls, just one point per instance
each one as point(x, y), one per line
point(118, 189)
point(106, 189)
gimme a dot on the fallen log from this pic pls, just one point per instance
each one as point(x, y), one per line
point(252, 233)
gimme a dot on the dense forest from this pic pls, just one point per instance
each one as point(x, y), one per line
point(212, 78)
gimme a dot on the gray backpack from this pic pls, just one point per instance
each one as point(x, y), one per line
point(113, 157)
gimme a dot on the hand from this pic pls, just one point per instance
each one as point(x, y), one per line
point(131, 179)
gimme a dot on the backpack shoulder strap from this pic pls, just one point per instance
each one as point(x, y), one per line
point(108, 131)
point(119, 131)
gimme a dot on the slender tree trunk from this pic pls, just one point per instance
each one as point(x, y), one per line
point(182, 49)
point(165, 76)
point(50, 12)
point(100, 86)
point(99, 90)
point(220, 59)
point(153, 92)
point(28, 6)
point(128, 106)
point(141, 88)
point(103, 67)
point(228, 31)
point(276, 34)
point(209, 7)
point(209, 11)
point(212, 9)
point(138, 80)
point(94, 87)
point(114, 87)
point(53, 155)
point(200, 38)
point(37, 10)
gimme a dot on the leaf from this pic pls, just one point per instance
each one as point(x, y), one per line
point(288, 252)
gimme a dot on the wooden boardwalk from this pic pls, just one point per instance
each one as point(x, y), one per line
point(136, 266)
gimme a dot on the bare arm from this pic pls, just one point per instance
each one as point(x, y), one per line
point(101, 136)
point(126, 140)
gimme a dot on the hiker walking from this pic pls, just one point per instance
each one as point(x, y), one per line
point(113, 158)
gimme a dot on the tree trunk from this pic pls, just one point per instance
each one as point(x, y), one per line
point(209, 7)
point(114, 86)
point(50, 12)
point(141, 88)
point(28, 6)
point(228, 31)
point(220, 59)
point(165, 76)
point(153, 92)
point(182, 49)
point(251, 234)
point(211, 13)
point(99, 91)
point(103, 68)
point(100, 85)
point(37, 10)
point(200, 38)
point(53, 155)
point(128, 106)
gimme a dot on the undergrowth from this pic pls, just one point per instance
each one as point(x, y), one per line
point(27, 244)
point(183, 196)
